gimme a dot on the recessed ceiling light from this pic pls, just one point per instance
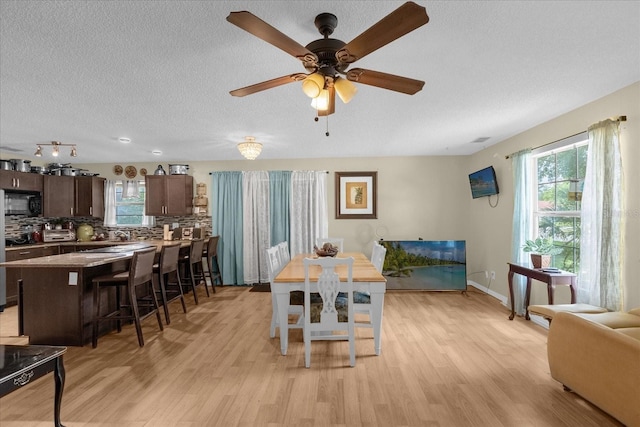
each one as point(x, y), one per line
point(124, 140)
point(156, 152)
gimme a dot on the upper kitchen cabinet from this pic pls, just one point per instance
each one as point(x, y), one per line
point(58, 196)
point(66, 196)
point(169, 195)
point(20, 181)
point(89, 195)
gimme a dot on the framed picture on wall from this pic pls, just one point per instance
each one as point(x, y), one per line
point(356, 195)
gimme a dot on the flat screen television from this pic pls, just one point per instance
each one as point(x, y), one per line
point(483, 183)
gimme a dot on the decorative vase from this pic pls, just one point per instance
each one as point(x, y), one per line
point(540, 261)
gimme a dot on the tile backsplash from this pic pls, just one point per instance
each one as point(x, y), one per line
point(14, 225)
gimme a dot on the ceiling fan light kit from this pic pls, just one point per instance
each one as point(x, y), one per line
point(345, 89)
point(250, 149)
point(326, 60)
point(313, 85)
point(321, 102)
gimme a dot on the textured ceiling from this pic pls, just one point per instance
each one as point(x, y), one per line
point(160, 72)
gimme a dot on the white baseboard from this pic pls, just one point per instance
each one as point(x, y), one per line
point(538, 320)
point(488, 291)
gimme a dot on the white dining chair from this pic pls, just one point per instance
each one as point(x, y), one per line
point(335, 241)
point(275, 265)
point(283, 250)
point(362, 303)
point(328, 286)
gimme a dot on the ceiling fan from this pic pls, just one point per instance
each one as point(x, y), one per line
point(326, 60)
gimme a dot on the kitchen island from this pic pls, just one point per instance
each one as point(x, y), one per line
point(55, 301)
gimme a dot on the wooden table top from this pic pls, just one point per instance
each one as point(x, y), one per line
point(363, 270)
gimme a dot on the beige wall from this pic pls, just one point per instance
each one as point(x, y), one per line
point(429, 197)
point(489, 234)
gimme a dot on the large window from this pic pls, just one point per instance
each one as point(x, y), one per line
point(130, 202)
point(559, 180)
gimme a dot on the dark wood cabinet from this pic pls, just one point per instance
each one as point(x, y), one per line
point(14, 274)
point(20, 181)
point(169, 195)
point(58, 198)
point(89, 196)
point(67, 196)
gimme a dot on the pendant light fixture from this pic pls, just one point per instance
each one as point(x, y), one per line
point(250, 149)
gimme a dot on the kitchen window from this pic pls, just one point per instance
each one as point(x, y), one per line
point(129, 203)
point(560, 171)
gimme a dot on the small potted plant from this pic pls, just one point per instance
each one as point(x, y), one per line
point(541, 251)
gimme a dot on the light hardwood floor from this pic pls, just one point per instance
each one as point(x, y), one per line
point(447, 359)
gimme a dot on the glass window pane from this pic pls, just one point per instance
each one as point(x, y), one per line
point(546, 197)
point(566, 165)
point(555, 172)
point(562, 197)
point(547, 168)
point(582, 161)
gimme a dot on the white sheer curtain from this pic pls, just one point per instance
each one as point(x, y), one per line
point(309, 212)
point(599, 278)
point(131, 189)
point(521, 225)
point(110, 203)
point(255, 226)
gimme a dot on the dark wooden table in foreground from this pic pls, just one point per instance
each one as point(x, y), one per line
point(551, 279)
point(20, 365)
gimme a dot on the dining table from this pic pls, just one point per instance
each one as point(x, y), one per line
point(366, 278)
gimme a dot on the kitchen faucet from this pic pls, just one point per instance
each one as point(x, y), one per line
point(123, 235)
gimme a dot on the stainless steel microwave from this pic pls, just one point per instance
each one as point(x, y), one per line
point(22, 203)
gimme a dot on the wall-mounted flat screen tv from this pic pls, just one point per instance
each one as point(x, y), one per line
point(483, 183)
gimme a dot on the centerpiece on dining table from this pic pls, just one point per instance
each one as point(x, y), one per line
point(326, 250)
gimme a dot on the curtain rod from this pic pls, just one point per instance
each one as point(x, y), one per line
point(617, 119)
point(211, 173)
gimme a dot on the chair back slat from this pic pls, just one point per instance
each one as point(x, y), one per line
point(195, 252)
point(378, 255)
point(212, 246)
point(141, 270)
point(274, 264)
point(169, 256)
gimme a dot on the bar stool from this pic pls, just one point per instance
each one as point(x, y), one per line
point(140, 274)
point(169, 291)
point(213, 268)
point(193, 266)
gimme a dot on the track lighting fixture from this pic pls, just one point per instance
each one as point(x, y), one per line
point(56, 149)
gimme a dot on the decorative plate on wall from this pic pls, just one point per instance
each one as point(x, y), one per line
point(117, 170)
point(130, 172)
point(143, 172)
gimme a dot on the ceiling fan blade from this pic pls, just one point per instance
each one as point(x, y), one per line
point(401, 21)
point(269, 84)
point(332, 103)
point(256, 26)
point(385, 80)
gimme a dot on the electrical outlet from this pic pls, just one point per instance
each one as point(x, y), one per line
point(486, 274)
point(493, 275)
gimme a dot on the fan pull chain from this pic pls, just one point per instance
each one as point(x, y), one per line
point(316, 118)
point(327, 132)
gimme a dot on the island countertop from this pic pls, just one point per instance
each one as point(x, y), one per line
point(93, 257)
point(55, 293)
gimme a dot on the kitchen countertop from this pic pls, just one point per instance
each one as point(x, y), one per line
point(89, 258)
